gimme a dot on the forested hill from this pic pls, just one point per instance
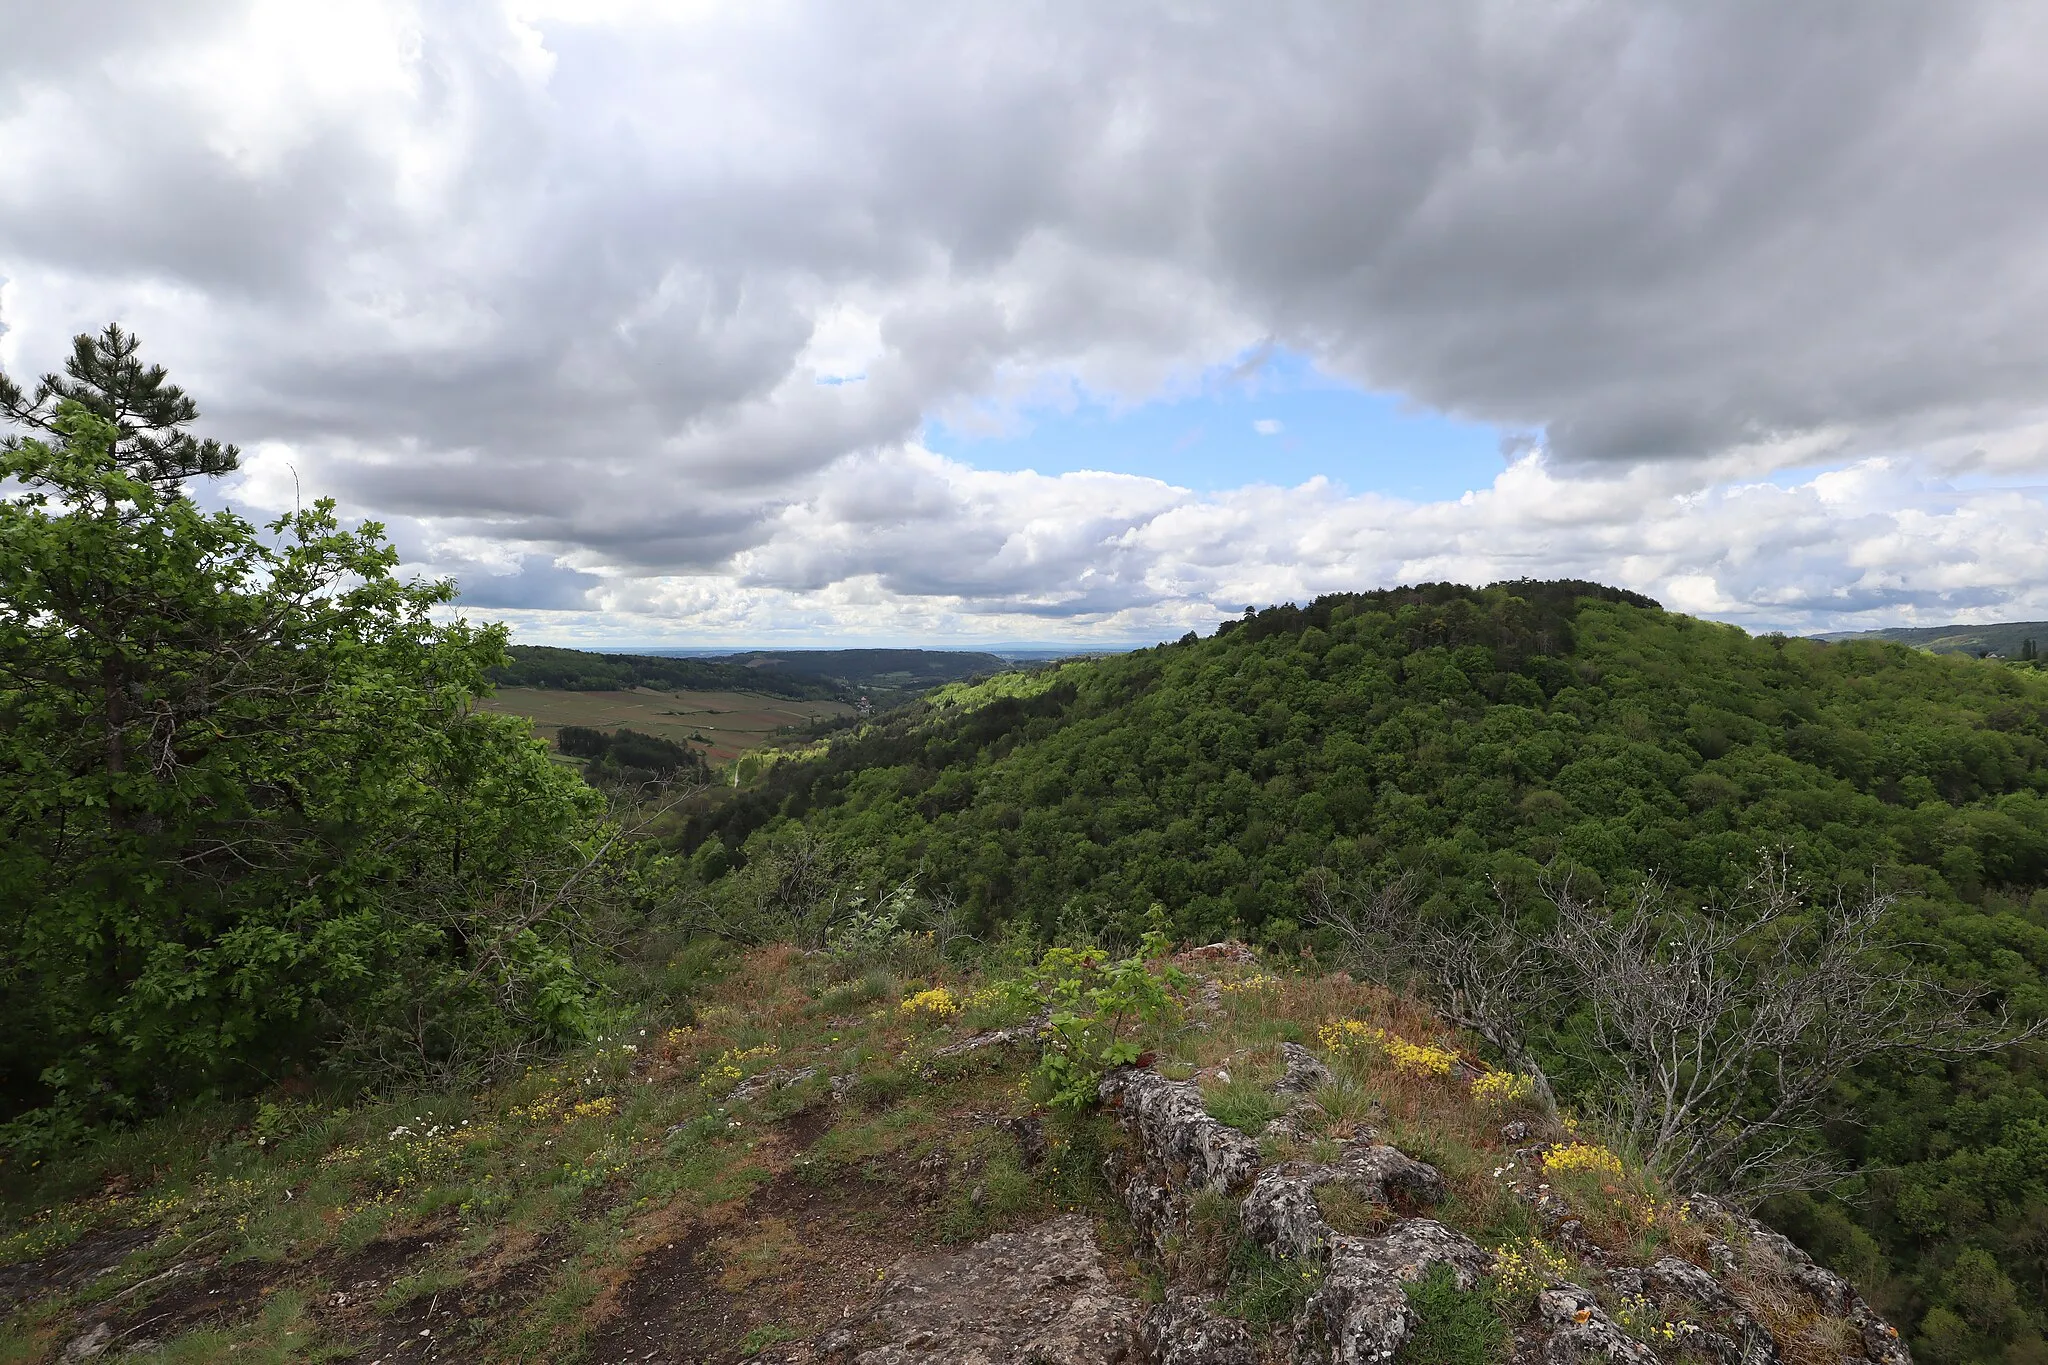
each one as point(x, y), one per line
point(1472, 739)
point(811, 673)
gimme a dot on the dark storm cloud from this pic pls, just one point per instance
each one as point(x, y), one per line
point(562, 290)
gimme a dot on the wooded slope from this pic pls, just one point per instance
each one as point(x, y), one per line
point(1472, 739)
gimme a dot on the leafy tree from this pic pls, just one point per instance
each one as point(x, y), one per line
point(248, 812)
point(582, 741)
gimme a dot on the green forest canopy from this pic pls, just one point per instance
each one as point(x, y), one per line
point(1470, 739)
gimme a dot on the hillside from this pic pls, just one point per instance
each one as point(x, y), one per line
point(860, 1156)
point(2006, 639)
point(884, 675)
point(343, 1020)
point(1473, 743)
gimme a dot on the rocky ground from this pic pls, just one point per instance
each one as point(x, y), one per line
point(866, 1189)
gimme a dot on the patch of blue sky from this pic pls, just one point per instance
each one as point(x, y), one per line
point(1272, 418)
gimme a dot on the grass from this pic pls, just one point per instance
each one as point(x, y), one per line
point(1266, 1291)
point(594, 1155)
point(1244, 1104)
point(622, 1168)
point(1347, 1211)
point(759, 1339)
point(1453, 1326)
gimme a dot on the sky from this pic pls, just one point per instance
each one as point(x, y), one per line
point(1075, 323)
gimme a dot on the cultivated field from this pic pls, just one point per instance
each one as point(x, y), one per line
point(731, 722)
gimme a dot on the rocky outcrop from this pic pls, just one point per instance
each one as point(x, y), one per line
point(1296, 1088)
point(1579, 1330)
point(1025, 1032)
point(1283, 1214)
point(1043, 1295)
point(1176, 1150)
point(767, 1082)
point(1185, 1330)
point(1731, 1336)
point(1040, 1295)
point(1752, 1248)
point(1359, 1314)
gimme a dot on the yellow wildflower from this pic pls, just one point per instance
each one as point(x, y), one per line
point(936, 1005)
point(1582, 1156)
point(1499, 1089)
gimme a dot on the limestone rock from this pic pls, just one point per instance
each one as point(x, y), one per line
point(1304, 1072)
point(1175, 1130)
point(1177, 1149)
point(1687, 1294)
point(90, 1344)
point(1026, 1032)
point(775, 1078)
point(1833, 1294)
point(1281, 1212)
point(1184, 1331)
point(1038, 1295)
point(1581, 1331)
point(1669, 1277)
point(1359, 1314)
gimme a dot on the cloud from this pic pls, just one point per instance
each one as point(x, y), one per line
point(667, 294)
point(1267, 426)
point(908, 544)
point(535, 585)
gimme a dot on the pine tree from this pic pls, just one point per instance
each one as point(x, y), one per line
point(103, 376)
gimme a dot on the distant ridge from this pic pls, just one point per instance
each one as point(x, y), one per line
point(886, 674)
point(2003, 638)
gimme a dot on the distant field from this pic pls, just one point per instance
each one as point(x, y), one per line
point(733, 722)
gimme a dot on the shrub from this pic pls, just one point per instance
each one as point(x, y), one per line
point(1588, 1157)
point(1502, 1089)
point(1355, 1036)
point(1523, 1270)
point(1093, 1001)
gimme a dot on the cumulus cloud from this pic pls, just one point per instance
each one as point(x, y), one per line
point(654, 300)
point(901, 546)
